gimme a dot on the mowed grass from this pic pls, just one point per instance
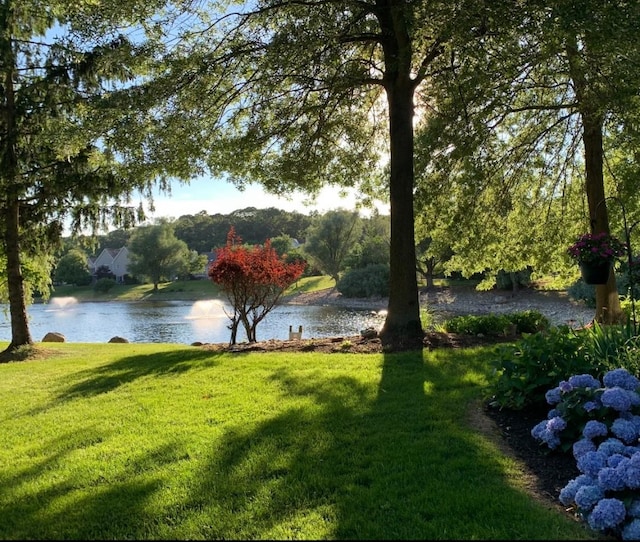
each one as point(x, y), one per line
point(161, 441)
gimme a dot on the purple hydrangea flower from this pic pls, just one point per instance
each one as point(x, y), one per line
point(616, 398)
point(631, 531)
point(587, 497)
point(625, 430)
point(582, 446)
point(591, 463)
point(584, 381)
point(610, 479)
point(594, 428)
point(607, 514)
point(553, 396)
point(621, 378)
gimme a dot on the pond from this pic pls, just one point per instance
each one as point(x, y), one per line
point(183, 321)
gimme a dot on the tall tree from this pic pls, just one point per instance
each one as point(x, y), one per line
point(532, 104)
point(51, 166)
point(157, 254)
point(331, 238)
point(303, 93)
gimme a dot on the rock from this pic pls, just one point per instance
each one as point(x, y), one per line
point(369, 333)
point(117, 339)
point(53, 337)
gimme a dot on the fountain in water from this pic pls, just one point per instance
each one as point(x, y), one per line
point(61, 303)
point(207, 308)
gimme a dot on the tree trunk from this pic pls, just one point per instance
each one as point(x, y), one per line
point(608, 310)
point(20, 334)
point(402, 327)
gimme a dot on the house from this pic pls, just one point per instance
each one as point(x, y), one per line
point(115, 259)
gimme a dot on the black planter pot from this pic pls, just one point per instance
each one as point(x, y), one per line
point(595, 273)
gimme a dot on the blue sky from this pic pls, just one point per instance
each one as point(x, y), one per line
point(218, 196)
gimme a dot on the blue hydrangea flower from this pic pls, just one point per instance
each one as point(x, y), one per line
point(631, 531)
point(591, 463)
point(564, 386)
point(607, 514)
point(616, 398)
point(584, 381)
point(612, 446)
point(587, 497)
point(611, 479)
point(621, 378)
point(631, 476)
point(634, 459)
point(556, 424)
point(633, 509)
point(590, 406)
point(553, 413)
point(538, 430)
point(553, 396)
point(594, 428)
point(625, 430)
point(615, 459)
point(582, 446)
point(568, 492)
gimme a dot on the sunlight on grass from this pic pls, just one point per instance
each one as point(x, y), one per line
point(160, 441)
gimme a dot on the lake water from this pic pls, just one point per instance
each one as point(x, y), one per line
point(182, 321)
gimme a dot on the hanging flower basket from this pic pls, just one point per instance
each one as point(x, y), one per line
point(595, 272)
point(595, 254)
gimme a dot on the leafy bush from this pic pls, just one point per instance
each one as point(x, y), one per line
point(527, 369)
point(498, 325)
point(104, 285)
point(372, 280)
point(600, 423)
point(580, 291)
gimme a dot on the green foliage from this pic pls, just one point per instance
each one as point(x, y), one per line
point(581, 291)
point(73, 268)
point(156, 253)
point(104, 285)
point(608, 343)
point(536, 363)
point(331, 238)
point(372, 280)
point(498, 325)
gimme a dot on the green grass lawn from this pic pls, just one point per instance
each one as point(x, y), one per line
point(161, 441)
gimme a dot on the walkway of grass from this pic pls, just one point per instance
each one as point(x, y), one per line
point(149, 441)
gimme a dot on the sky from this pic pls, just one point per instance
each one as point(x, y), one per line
point(218, 196)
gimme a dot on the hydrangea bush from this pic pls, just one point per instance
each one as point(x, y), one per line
point(600, 422)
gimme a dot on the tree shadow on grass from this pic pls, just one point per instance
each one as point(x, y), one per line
point(106, 378)
point(396, 463)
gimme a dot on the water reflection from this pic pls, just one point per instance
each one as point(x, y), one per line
point(183, 322)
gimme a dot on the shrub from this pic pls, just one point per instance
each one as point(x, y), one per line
point(498, 325)
point(104, 285)
point(600, 423)
point(535, 363)
point(372, 280)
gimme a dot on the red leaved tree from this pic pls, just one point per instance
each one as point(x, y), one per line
point(253, 279)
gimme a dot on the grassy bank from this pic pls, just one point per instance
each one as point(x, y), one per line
point(159, 441)
point(188, 290)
